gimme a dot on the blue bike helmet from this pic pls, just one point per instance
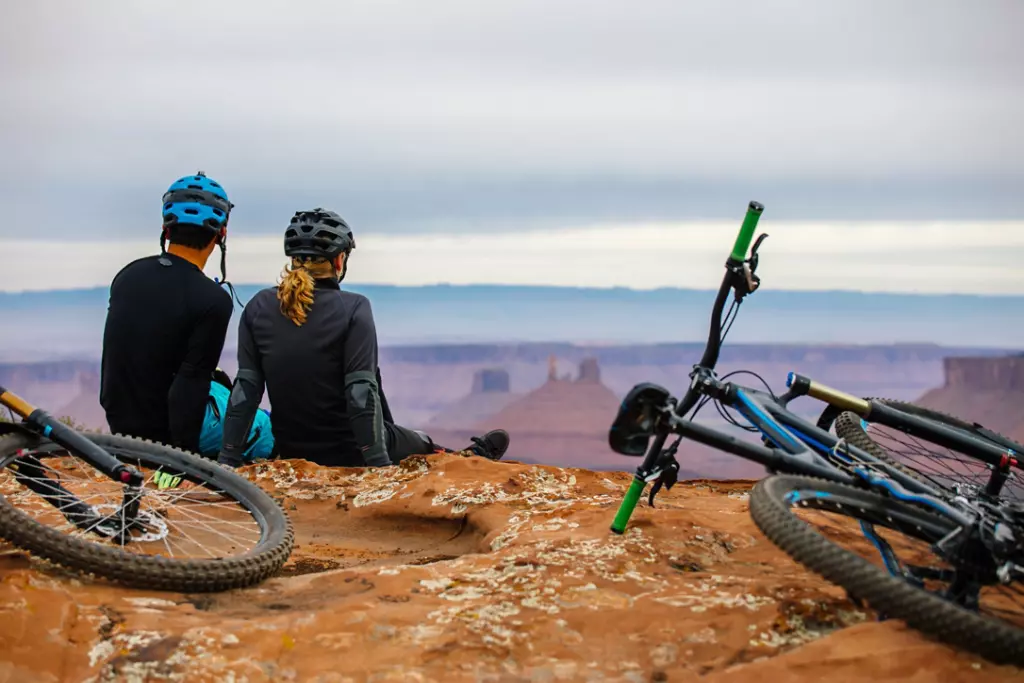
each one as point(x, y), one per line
point(196, 200)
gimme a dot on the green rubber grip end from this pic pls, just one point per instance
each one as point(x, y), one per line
point(746, 236)
point(627, 506)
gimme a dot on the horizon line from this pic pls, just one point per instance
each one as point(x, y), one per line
point(943, 258)
point(535, 286)
point(597, 344)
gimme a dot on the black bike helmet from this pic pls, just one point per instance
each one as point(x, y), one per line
point(318, 233)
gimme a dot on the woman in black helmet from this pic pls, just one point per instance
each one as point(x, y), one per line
point(314, 347)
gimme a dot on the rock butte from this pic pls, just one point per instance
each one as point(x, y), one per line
point(461, 569)
point(489, 394)
point(989, 390)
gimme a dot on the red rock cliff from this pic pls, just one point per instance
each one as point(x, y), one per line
point(985, 390)
point(985, 374)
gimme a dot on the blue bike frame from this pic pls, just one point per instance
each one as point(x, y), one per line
point(800, 439)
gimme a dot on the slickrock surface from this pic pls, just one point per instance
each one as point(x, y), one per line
point(461, 569)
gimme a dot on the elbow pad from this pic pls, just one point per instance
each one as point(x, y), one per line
point(366, 417)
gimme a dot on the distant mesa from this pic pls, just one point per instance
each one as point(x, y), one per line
point(561, 405)
point(490, 380)
point(590, 372)
point(985, 374)
point(988, 390)
point(490, 392)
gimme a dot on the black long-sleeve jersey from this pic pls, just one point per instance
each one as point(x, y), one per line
point(164, 334)
point(322, 379)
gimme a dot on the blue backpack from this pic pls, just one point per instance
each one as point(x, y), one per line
point(260, 443)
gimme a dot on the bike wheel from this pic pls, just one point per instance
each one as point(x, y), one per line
point(812, 519)
point(940, 466)
point(240, 535)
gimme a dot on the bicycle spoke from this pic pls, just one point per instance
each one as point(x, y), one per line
point(184, 523)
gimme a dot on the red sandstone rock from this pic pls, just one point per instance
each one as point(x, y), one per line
point(454, 569)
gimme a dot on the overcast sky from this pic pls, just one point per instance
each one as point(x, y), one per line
point(930, 258)
point(490, 117)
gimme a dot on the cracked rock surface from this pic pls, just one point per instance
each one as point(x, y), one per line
point(461, 569)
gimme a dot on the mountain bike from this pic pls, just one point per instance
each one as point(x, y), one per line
point(960, 567)
point(136, 512)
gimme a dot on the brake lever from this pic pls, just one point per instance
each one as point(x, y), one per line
point(749, 269)
point(669, 474)
point(754, 258)
point(668, 478)
point(757, 244)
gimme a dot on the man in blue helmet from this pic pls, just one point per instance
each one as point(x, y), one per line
point(166, 324)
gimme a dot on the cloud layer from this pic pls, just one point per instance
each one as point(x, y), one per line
point(978, 258)
point(476, 117)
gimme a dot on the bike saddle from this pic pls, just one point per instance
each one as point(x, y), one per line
point(634, 424)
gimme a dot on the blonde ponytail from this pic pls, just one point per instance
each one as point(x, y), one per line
point(295, 292)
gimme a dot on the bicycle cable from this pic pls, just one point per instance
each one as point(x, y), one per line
point(723, 411)
point(730, 318)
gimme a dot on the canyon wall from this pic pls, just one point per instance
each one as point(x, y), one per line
point(455, 391)
point(985, 390)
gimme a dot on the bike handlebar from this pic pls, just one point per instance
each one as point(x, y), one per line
point(709, 359)
point(746, 236)
point(636, 489)
point(713, 347)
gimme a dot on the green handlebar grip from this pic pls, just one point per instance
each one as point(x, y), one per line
point(628, 503)
point(743, 240)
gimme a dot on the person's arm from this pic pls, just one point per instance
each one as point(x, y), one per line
point(361, 388)
point(383, 399)
point(186, 399)
point(246, 394)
